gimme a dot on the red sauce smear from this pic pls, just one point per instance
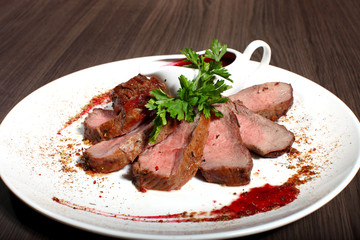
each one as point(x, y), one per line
point(256, 200)
point(95, 101)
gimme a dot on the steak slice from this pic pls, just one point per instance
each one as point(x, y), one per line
point(226, 160)
point(132, 114)
point(93, 122)
point(261, 135)
point(112, 155)
point(271, 100)
point(136, 86)
point(115, 154)
point(172, 163)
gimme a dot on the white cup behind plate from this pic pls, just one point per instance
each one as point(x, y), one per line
point(242, 69)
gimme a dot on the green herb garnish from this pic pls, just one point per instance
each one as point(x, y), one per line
point(195, 94)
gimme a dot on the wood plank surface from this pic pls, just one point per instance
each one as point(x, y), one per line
point(43, 40)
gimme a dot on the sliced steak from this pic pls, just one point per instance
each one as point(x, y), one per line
point(261, 135)
point(226, 160)
point(271, 100)
point(136, 86)
point(113, 155)
point(129, 100)
point(132, 114)
point(173, 162)
point(93, 122)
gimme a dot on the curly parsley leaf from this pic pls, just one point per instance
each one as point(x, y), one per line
point(216, 50)
point(197, 94)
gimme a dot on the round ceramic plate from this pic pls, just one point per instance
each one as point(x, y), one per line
point(40, 162)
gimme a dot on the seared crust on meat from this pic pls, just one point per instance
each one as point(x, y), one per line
point(228, 176)
point(136, 86)
point(131, 115)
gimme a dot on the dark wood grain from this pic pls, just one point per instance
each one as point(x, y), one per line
point(41, 41)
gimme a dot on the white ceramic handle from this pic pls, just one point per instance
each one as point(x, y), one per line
point(250, 49)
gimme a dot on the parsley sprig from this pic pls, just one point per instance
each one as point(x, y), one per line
point(197, 94)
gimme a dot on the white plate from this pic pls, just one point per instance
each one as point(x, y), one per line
point(30, 151)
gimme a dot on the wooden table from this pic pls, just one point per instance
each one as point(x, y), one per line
point(41, 41)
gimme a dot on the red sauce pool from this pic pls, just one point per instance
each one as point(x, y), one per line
point(260, 199)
